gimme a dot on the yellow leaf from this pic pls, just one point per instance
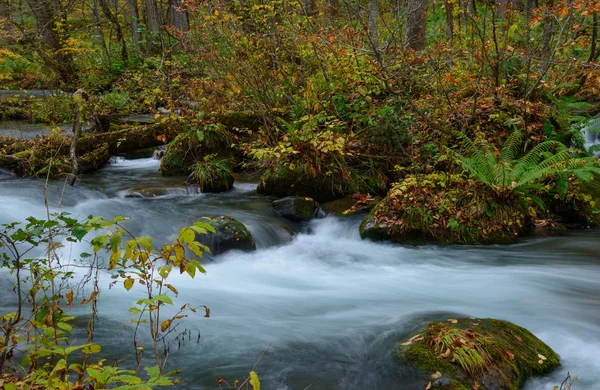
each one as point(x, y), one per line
point(452, 320)
point(254, 381)
point(128, 283)
point(165, 325)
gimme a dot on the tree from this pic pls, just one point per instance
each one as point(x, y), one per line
point(51, 20)
point(177, 16)
point(117, 28)
point(154, 43)
point(416, 28)
point(135, 17)
point(372, 24)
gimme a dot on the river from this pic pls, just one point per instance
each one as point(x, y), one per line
point(327, 307)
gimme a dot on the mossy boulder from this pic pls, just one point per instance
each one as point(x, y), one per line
point(179, 157)
point(295, 208)
point(287, 182)
point(349, 205)
point(443, 209)
point(230, 234)
point(195, 145)
point(592, 190)
point(487, 354)
point(212, 176)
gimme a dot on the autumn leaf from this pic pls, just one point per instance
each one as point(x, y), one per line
point(452, 320)
point(69, 296)
point(165, 325)
point(446, 354)
point(128, 283)
point(428, 386)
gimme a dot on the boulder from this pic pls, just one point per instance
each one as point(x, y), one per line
point(441, 209)
point(295, 208)
point(469, 353)
point(548, 228)
point(349, 206)
point(230, 234)
point(212, 176)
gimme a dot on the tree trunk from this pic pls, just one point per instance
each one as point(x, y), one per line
point(309, 7)
point(548, 30)
point(177, 16)
point(372, 24)
point(135, 17)
point(449, 5)
point(51, 20)
point(99, 34)
point(416, 28)
point(117, 27)
point(153, 23)
point(594, 52)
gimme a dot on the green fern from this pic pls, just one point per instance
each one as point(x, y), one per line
point(507, 175)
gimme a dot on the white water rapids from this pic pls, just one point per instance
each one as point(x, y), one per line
point(328, 307)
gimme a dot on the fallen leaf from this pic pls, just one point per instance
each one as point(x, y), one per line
point(446, 354)
point(510, 355)
point(428, 386)
point(452, 320)
point(436, 376)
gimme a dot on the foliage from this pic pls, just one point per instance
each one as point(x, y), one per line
point(52, 356)
point(506, 175)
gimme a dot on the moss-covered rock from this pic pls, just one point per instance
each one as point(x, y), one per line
point(443, 209)
point(295, 208)
point(194, 146)
point(592, 190)
point(287, 182)
point(212, 175)
point(230, 234)
point(350, 205)
point(478, 353)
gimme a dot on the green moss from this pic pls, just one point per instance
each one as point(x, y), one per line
point(485, 351)
point(592, 189)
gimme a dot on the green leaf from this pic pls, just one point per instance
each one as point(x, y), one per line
point(115, 242)
point(187, 235)
point(91, 348)
point(163, 298)
point(153, 372)
point(165, 271)
point(145, 242)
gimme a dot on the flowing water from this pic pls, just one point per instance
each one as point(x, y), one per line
point(327, 307)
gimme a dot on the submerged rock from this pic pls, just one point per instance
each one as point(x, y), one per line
point(295, 208)
point(230, 234)
point(486, 354)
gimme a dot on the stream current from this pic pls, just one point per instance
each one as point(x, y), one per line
point(328, 307)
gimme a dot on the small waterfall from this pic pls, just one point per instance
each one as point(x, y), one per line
point(591, 134)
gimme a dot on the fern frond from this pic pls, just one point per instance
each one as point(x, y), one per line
point(510, 149)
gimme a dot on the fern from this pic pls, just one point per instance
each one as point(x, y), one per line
point(507, 175)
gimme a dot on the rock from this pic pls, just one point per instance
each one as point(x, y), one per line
point(494, 354)
point(295, 208)
point(230, 234)
point(212, 176)
point(548, 228)
point(153, 192)
point(338, 206)
point(349, 206)
point(287, 182)
point(439, 209)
